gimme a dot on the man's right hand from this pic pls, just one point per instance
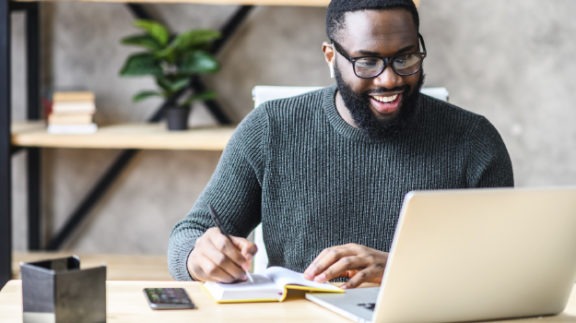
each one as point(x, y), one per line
point(215, 258)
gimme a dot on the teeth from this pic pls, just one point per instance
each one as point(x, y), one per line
point(386, 99)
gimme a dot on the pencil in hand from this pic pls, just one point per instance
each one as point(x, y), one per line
point(216, 220)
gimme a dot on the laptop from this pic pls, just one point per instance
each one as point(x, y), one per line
point(471, 255)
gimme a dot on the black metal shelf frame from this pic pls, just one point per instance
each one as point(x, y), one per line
point(35, 239)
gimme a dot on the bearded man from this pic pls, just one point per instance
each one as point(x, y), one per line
point(326, 172)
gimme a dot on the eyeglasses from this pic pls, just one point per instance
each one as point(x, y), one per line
point(367, 67)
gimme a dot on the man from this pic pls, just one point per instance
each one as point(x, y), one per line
point(326, 172)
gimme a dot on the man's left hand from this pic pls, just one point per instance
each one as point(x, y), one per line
point(357, 262)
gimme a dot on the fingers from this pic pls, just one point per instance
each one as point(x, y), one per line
point(247, 250)
point(216, 258)
point(359, 263)
point(371, 274)
point(333, 262)
point(243, 253)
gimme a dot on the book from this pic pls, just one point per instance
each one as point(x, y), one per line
point(73, 96)
point(272, 285)
point(72, 128)
point(73, 102)
point(70, 118)
point(72, 113)
point(73, 107)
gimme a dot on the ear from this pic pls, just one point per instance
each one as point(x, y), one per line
point(328, 51)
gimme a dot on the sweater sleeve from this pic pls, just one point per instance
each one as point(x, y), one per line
point(234, 190)
point(489, 163)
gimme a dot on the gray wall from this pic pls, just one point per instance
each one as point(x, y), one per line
point(511, 61)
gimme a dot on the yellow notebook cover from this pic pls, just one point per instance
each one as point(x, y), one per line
point(272, 285)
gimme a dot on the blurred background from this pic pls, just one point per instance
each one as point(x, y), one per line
point(511, 61)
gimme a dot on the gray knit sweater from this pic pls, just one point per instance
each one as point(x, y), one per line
point(314, 181)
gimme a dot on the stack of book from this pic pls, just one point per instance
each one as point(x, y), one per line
point(72, 112)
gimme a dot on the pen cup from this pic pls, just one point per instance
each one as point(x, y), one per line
point(59, 291)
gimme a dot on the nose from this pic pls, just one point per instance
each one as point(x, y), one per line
point(388, 79)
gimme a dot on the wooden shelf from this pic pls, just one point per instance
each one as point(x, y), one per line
point(305, 3)
point(119, 266)
point(124, 136)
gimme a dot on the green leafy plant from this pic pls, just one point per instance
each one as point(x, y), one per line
point(172, 60)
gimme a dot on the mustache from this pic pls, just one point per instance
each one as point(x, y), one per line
point(383, 90)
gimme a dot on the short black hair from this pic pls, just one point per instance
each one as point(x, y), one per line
point(337, 9)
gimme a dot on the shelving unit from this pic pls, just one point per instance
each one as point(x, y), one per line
point(33, 137)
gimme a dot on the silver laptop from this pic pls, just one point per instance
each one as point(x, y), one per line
point(470, 255)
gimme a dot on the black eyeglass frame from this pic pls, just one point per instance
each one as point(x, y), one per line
point(386, 60)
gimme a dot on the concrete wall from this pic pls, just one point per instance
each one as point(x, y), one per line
point(511, 61)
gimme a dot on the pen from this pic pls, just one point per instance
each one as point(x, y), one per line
point(216, 220)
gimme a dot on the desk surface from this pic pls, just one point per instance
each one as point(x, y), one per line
point(124, 136)
point(126, 303)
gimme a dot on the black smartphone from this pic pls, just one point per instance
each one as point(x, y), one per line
point(168, 298)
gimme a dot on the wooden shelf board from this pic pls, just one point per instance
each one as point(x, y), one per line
point(124, 136)
point(119, 266)
point(306, 3)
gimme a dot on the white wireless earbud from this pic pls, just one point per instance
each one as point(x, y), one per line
point(331, 66)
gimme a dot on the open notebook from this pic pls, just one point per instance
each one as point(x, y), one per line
point(470, 255)
point(272, 285)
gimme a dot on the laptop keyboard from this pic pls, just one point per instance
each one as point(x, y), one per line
point(368, 306)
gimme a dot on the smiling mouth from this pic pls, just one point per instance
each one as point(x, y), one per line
point(386, 106)
point(385, 99)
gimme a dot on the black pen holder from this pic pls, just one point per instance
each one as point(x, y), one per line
point(59, 291)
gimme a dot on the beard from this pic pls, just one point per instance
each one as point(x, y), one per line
point(359, 106)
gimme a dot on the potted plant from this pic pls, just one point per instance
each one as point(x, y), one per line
point(172, 60)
